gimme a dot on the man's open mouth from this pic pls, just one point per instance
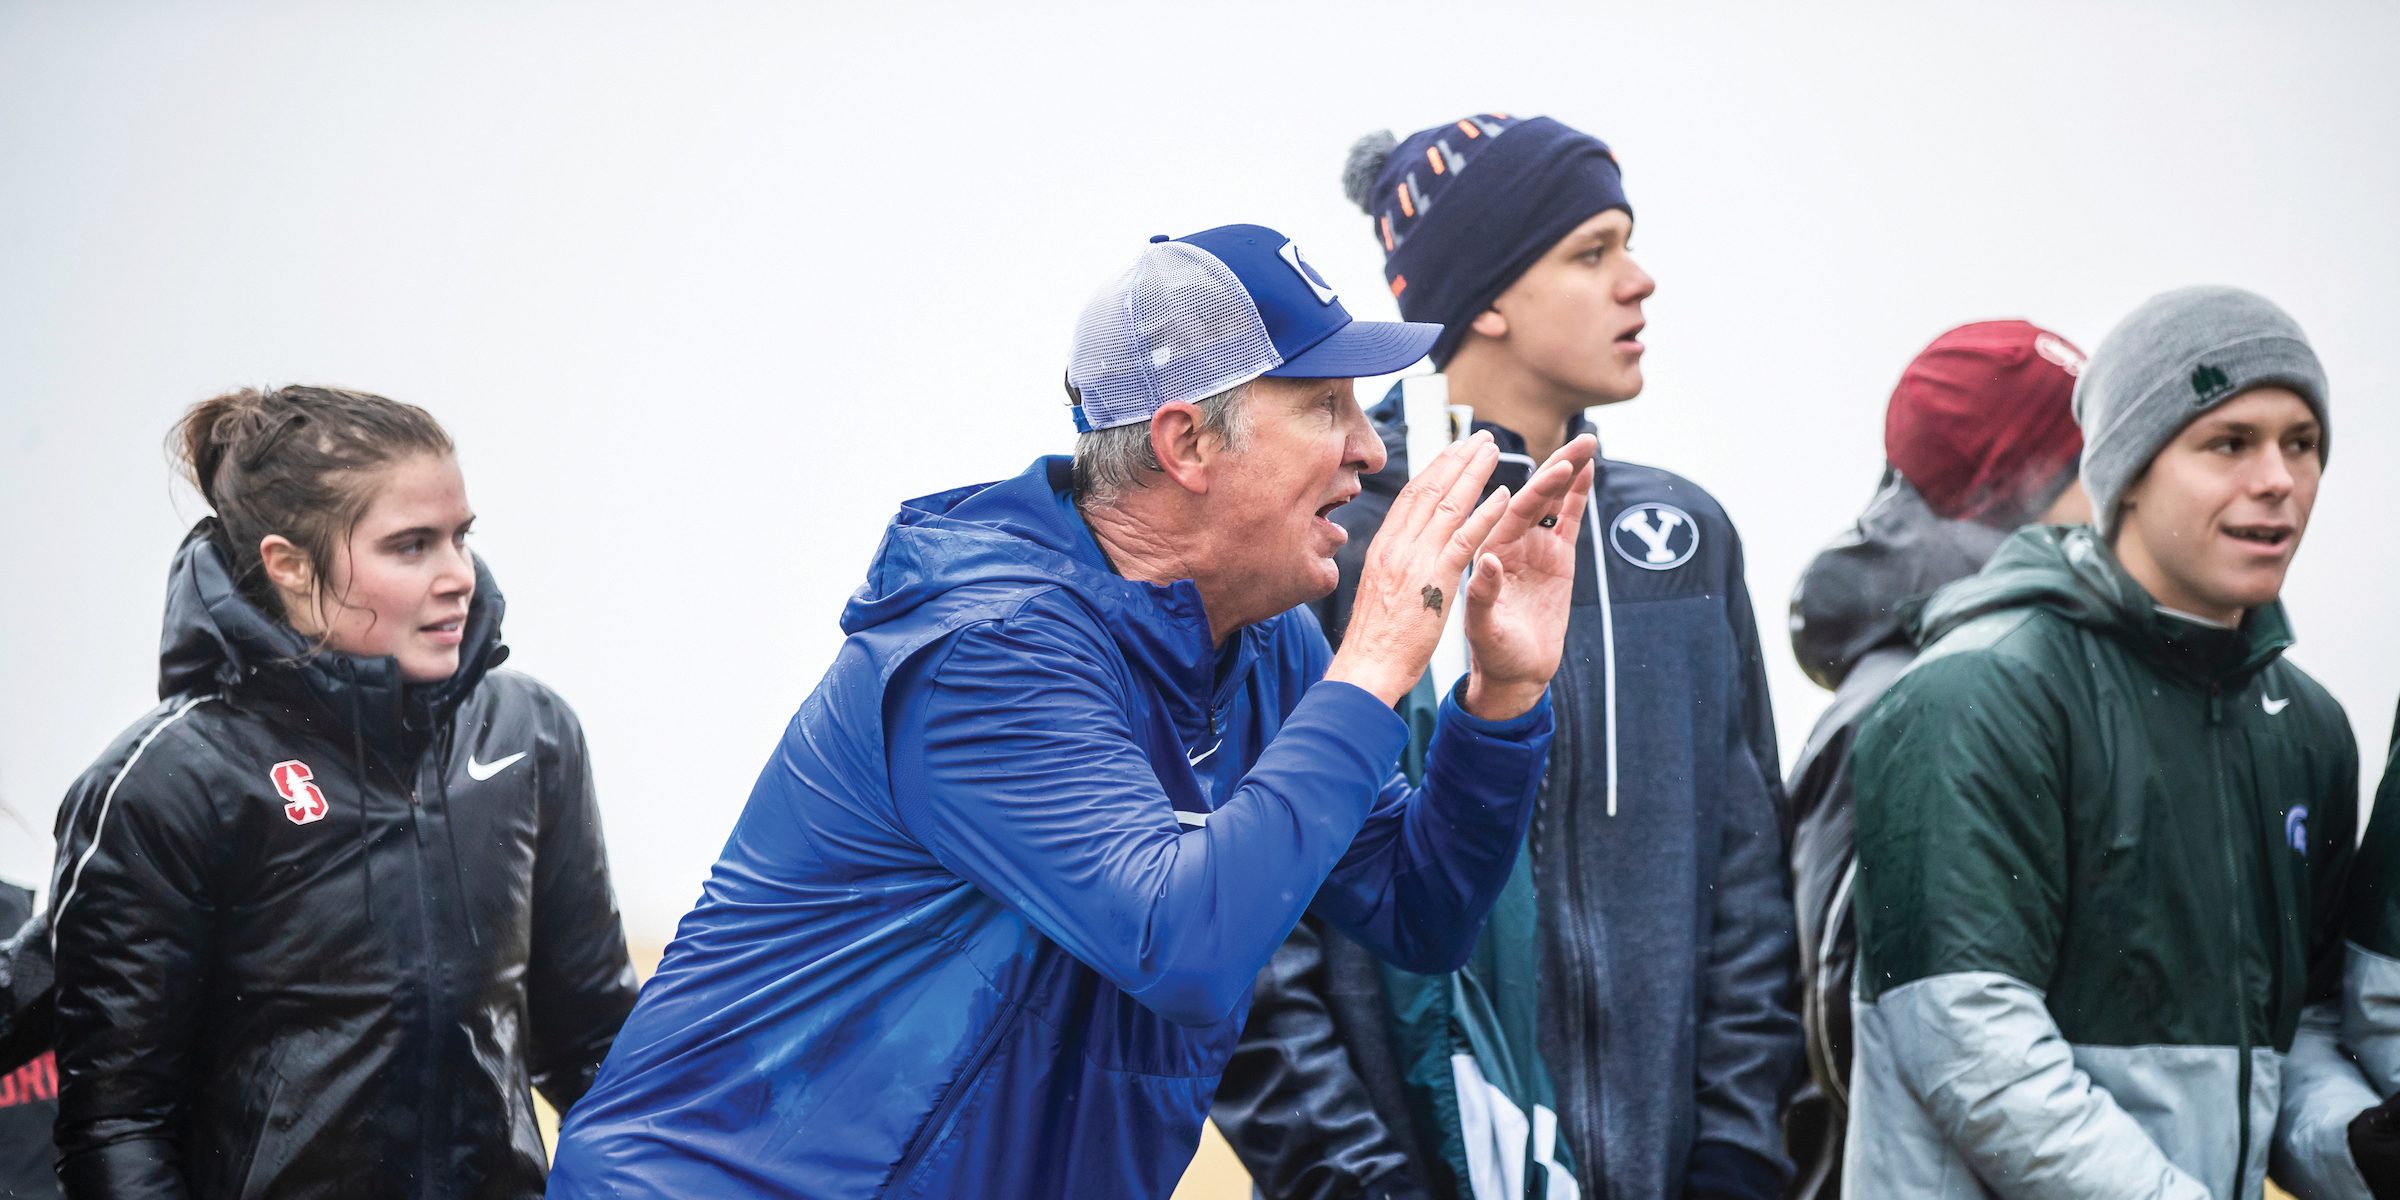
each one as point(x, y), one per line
point(2260, 535)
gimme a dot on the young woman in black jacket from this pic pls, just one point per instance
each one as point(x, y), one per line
point(324, 917)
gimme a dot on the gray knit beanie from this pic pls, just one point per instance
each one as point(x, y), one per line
point(2179, 355)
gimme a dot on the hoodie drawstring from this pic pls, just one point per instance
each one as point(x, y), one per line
point(458, 876)
point(1608, 646)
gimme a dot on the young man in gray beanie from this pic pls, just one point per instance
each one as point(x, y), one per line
point(2103, 824)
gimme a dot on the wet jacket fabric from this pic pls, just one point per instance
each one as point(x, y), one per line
point(1850, 625)
point(2101, 853)
point(28, 1088)
point(989, 921)
point(1667, 1019)
point(2371, 977)
point(28, 992)
point(319, 933)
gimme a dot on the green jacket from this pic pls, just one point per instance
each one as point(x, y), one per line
point(2100, 854)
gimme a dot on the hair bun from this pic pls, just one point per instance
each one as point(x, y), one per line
point(1365, 165)
point(215, 428)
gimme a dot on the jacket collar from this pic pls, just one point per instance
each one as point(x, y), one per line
point(2069, 570)
point(1026, 530)
point(1387, 415)
point(215, 639)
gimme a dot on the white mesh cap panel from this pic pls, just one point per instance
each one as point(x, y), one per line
point(1177, 325)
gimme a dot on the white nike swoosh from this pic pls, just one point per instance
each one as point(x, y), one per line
point(482, 771)
point(1196, 757)
point(2273, 705)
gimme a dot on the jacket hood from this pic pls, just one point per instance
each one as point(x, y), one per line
point(215, 640)
point(1026, 532)
point(1859, 594)
point(2070, 571)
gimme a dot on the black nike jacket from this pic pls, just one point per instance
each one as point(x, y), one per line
point(317, 932)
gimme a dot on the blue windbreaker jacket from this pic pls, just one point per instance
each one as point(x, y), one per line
point(988, 924)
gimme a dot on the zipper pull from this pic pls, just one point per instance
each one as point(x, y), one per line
point(2216, 703)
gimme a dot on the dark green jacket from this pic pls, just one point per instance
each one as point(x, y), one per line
point(2100, 858)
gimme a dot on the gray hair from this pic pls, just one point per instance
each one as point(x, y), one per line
point(1108, 462)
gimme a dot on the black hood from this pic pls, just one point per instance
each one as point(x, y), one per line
point(216, 640)
point(1862, 591)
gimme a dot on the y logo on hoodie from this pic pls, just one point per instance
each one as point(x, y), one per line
point(302, 802)
point(2295, 829)
point(1654, 536)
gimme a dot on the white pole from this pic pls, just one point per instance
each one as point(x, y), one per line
point(1434, 423)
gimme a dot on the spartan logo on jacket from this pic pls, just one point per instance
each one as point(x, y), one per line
point(1655, 536)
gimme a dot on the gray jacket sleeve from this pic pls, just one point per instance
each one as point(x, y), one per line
point(1749, 1052)
point(1983, 1059)
point(2322, 1091)
point(2370, 1019)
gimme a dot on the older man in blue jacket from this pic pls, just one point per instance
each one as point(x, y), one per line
point(989, 922)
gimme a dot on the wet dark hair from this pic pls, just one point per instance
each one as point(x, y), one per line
point(295, 461)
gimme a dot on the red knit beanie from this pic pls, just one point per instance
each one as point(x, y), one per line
point(1983, 422)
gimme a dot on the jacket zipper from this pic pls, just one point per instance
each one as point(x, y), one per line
point(430, 1095)
point(1586, 1060)
point(2216, 747)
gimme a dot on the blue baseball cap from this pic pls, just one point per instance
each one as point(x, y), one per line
point(1197, 315)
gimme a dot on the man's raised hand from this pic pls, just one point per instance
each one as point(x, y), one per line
point(1524, 584)
point(1405, 590)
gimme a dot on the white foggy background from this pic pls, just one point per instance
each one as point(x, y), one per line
point(704, 290)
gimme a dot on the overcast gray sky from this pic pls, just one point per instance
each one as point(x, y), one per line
point(705, 290)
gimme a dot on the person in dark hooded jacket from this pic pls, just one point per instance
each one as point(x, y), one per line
point(324, 918)
point(28, 1071)
point(1979, 438)
point(1629, 1029)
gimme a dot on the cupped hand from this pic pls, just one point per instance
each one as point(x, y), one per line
point(1407, 587)
point(1524, 585)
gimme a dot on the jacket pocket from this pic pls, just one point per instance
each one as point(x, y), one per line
point(258, 1166)
point(937, 1123)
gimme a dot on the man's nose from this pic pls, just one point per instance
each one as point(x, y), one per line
point(1637, 285)
point(2272, 476)
point(1362, 445)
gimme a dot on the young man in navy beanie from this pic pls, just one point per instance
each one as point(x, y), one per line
point(1637, 1010)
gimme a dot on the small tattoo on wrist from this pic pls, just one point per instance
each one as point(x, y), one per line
point(1433, 597)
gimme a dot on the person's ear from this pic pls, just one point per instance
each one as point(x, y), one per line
point(1185, 452)
point(1490, 323)
point(293, 577)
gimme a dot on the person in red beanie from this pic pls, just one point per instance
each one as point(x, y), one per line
point(1980, 438)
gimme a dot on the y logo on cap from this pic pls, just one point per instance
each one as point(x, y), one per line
point(302, 802)
point(1308, 274)
point(1654, 536)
